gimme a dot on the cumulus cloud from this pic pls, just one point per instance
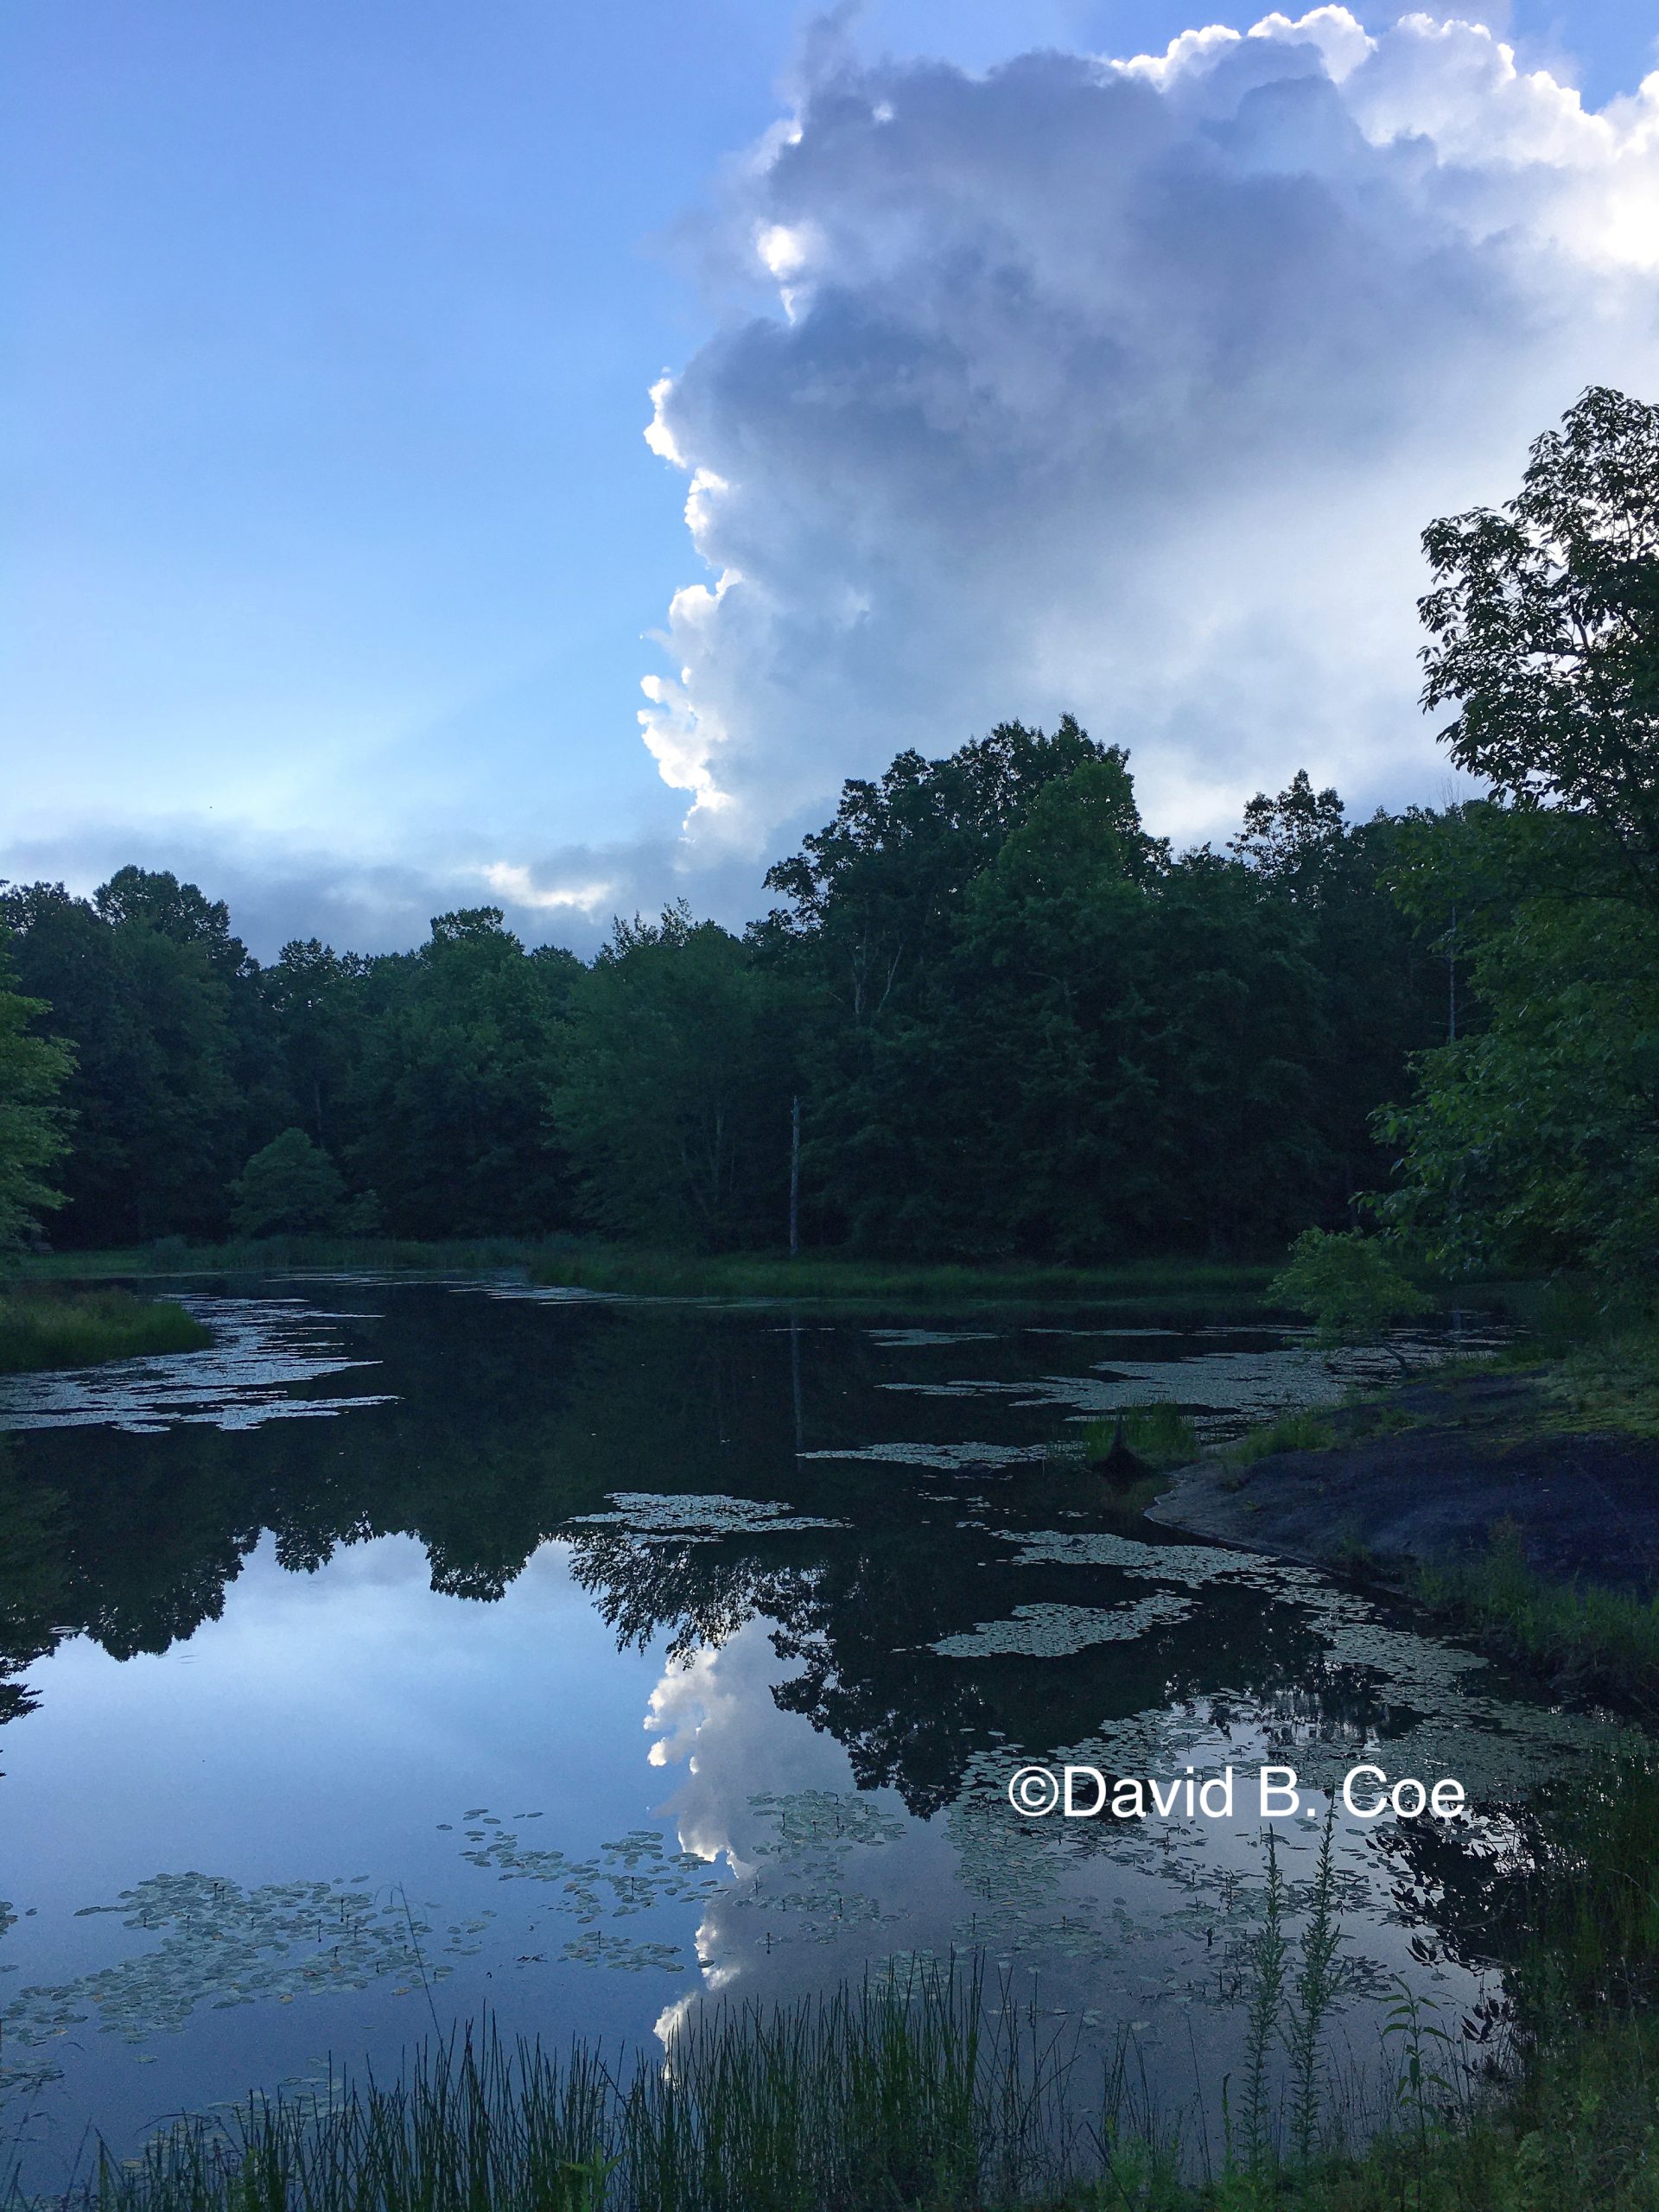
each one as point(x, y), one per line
point(1125, 386)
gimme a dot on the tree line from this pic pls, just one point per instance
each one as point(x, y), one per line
point(1016, 1023)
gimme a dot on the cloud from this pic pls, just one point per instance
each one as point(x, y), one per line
point(1126, 386)
point(566, 894)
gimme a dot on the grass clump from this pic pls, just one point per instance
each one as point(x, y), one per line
point(1602, 1642)
point(1613, 1382)
point(1161, 1436)
point(1296, 1431)
point(888, 2094)
point(832, 1276)
point(42, 1328)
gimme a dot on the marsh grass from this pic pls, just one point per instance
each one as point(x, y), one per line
point(832, 1277)
point(1161, 1434)
point(1296, 1431)
point(42, 1327)
point(1600, 1642)
point(583, 1263)
point(889, 2094)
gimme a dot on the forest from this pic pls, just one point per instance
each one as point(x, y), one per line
point(1016, 1024)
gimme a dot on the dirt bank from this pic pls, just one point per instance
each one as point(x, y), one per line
point(1478, 1450)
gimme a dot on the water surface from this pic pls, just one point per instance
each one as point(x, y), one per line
point(427, 1648)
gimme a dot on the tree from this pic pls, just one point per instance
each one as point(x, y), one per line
point(445, 1112)
point(33, 1071)
point(1544, 628)
point(1351, 1286)
point(1534, 1139)
point(290, 1187)
point(673, 1099)
point(161, 1118)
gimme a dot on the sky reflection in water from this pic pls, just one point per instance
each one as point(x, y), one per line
point(596, 1657)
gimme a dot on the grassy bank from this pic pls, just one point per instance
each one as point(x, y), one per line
point(829, 1276)
point(1598, 1643)
point(175, 1256)
point(44, 1327)
point(590, 1264)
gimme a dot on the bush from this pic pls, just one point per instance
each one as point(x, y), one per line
point(1350, 1285)
point(290, 1188)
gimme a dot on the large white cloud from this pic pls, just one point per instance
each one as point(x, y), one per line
point(1126, 387)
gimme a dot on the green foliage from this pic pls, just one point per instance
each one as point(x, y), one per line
point(1606, 1642)
point(1021, 1031)
point(1034, 1033)
point(159, 1113)
point(45, 1329)
point(1534, 1141)
point(1290, 1432)
point(1161, 1435)
point(1544, 627)
point(289, 1186)
point(673, 1100)
point(1610, 1379)
point(33, 1071)
point(1350, 1285)
point(445, 1111)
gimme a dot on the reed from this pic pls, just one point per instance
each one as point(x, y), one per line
point(890, 2093)
point(42, 1328)
point(1161, 1435)
point(1598, 1641)
point(1297, 1431)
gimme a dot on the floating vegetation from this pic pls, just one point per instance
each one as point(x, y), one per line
point(265, 1352)
point(1419, 1690)
point(1224, 1391)
point(1058, 1631)
point(637, 1871)
point(803, 1871)
point(919, 1339)
point(944, 1458)
point(223, 1946)
point(644, 1513)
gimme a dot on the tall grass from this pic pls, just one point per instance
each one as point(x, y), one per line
point(1287, 1432)
point(1161, 1435)
point(1598, 1642)
point(887, 2095)
point(585, 1263)
point(831, 1276)
point(42, 1328)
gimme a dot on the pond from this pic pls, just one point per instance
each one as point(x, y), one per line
point(432, 1649)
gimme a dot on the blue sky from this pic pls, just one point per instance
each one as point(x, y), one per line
point(335, 555)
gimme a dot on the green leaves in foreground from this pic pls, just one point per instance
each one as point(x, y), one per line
point(1351, 1286)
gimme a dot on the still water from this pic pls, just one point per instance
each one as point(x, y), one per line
point(427, 1649)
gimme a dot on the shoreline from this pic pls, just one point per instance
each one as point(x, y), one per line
point(1421, 1478)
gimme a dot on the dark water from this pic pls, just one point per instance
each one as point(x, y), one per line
point(427, 1649)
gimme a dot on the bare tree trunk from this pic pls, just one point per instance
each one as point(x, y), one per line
point(794, 1175)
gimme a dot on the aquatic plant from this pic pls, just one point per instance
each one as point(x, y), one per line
point(1161, 1435)
point(1604, 1642)
point(42, 1328)
point(898, 2091)
point(1289, 1432)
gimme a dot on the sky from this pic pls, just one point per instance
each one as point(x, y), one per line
point(530, 455)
